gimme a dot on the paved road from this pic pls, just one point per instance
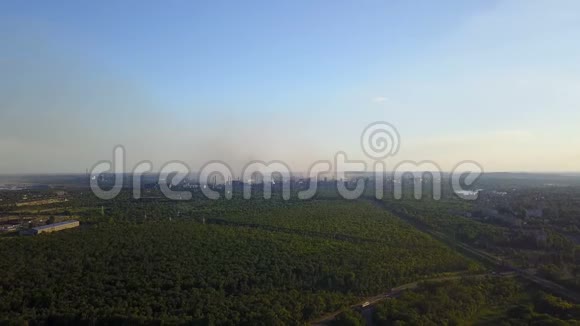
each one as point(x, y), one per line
point(484, 257)
point(395, 292)
point(479, 255)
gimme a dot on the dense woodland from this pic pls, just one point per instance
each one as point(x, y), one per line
point(490, 301)
point(265, 262)
point(557, 257)
point(264, 267)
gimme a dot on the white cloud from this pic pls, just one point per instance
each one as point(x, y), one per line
point(380, 99)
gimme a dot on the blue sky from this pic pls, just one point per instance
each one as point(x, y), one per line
point(493, 81)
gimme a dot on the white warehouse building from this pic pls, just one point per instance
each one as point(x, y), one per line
point(51, 228)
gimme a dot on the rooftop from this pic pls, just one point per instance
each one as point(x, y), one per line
point(54, 225)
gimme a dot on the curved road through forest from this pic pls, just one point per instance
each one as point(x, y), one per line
point(395, 292)
point(482, 256)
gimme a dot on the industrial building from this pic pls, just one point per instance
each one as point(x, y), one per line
point(51, 228)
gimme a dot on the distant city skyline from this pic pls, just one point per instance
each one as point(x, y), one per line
point(496, 82)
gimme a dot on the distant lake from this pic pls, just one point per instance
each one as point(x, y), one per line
point(468, 192)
